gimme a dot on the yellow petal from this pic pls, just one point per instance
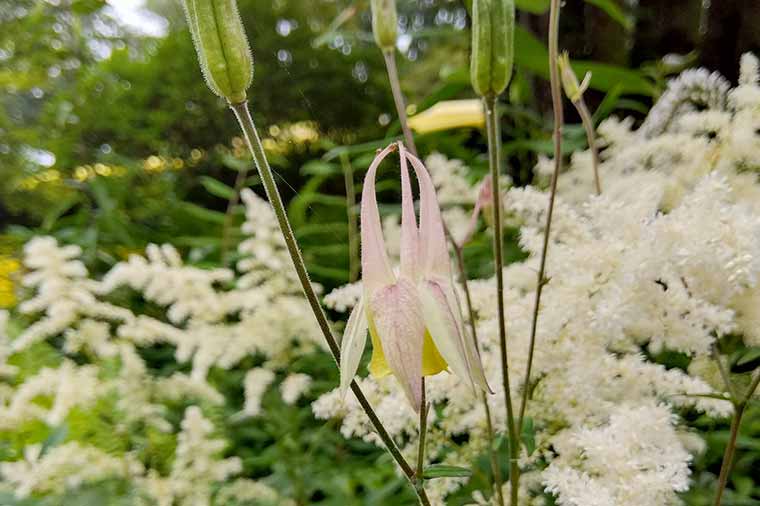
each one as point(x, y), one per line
point(378, 366)
point(432, 361)
point(449, 114)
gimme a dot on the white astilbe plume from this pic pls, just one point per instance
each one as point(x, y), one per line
point(63, 468)
point(636, 457)
point(667, 258)
point(66, 387)
point(196, 468)
point(694, 87)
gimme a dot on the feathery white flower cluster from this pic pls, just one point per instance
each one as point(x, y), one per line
point(213, 318)
point(667, 258)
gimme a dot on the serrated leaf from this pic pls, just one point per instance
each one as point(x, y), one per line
point(444, 471)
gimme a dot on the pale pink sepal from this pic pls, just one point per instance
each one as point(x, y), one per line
point(376, 269)
point(352, 345)
point(436, 287)
point(397, 315)
point(409, 254)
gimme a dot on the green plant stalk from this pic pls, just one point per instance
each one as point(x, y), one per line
point(421, 443)
point(248, 127)
point(728, 455)
point(558, 121)
point(588, 126)
point(240, 180)
point(398, 98)
point(494, 141)
point(493, 458)
point(353, 243)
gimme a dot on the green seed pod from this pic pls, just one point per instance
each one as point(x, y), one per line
point(222, 47)
point(384, 23)
point(493, 41)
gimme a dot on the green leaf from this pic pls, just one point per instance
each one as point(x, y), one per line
point(533, 6)
point(443, 471)
point(319, 168)
point(531, 54)
point(202, 213)
point(57, 437)
point(528, 435)
point(614, 11)
point(217, 188)
point(750, 355)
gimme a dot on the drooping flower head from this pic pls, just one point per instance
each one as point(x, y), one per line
point(412, 315)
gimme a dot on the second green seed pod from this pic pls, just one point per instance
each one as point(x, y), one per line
point(493, 41)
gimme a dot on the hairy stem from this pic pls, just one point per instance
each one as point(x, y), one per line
point(493, 457)
point(588, 125)
point(243, 116)
point(558, 121)
point(353, 243)
point(231, 205)
point(398, 98)
point(494, 142)
point(728, 455)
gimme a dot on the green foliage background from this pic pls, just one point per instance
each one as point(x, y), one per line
point(81, 94)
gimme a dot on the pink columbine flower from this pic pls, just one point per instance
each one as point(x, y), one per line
point(413, 315)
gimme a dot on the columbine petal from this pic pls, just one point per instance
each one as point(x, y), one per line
point(376, 270)
point(396, 314)
point(434, 255)
point(409, 233)
point(352, 346)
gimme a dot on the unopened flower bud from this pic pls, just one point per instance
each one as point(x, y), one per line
point(222, 47)
point(493, 41)
point(573, 90)
point(384, 23)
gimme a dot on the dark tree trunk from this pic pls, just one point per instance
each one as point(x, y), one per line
point(667, 26)
point(732, 28)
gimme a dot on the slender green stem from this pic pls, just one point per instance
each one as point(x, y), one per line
point(398, 98)
point(724, 374)
point(728, 455)
point(493, 457)
point(421, 443)
point(243, 116)
point(494, 145)
point(353, 236)
point(558, 121)
point(588, 125)
point(231, 205)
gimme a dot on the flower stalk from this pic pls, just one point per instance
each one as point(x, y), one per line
point(421, 443)
point(492, 455)
point(353, 243)
point(740, 405)
point(494, 142)
point(398, 98)
point(554, 79)
point(253, 141)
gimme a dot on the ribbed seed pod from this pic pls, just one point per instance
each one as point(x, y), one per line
point(384, 23)
point(493, 41)
point(222, 47)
